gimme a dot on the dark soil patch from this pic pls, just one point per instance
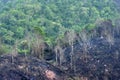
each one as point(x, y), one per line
point(97, 58)
point(21, 67)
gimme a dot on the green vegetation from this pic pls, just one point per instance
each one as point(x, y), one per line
point(23, 22)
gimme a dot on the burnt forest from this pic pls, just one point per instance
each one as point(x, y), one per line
point(59, 40)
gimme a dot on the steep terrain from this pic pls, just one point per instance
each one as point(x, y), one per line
point(21, 67)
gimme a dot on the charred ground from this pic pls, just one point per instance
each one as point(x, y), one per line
point(95, 58)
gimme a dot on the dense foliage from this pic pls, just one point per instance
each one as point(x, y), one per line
point(26, 21)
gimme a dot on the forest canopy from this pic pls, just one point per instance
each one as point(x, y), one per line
point(22, 20)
